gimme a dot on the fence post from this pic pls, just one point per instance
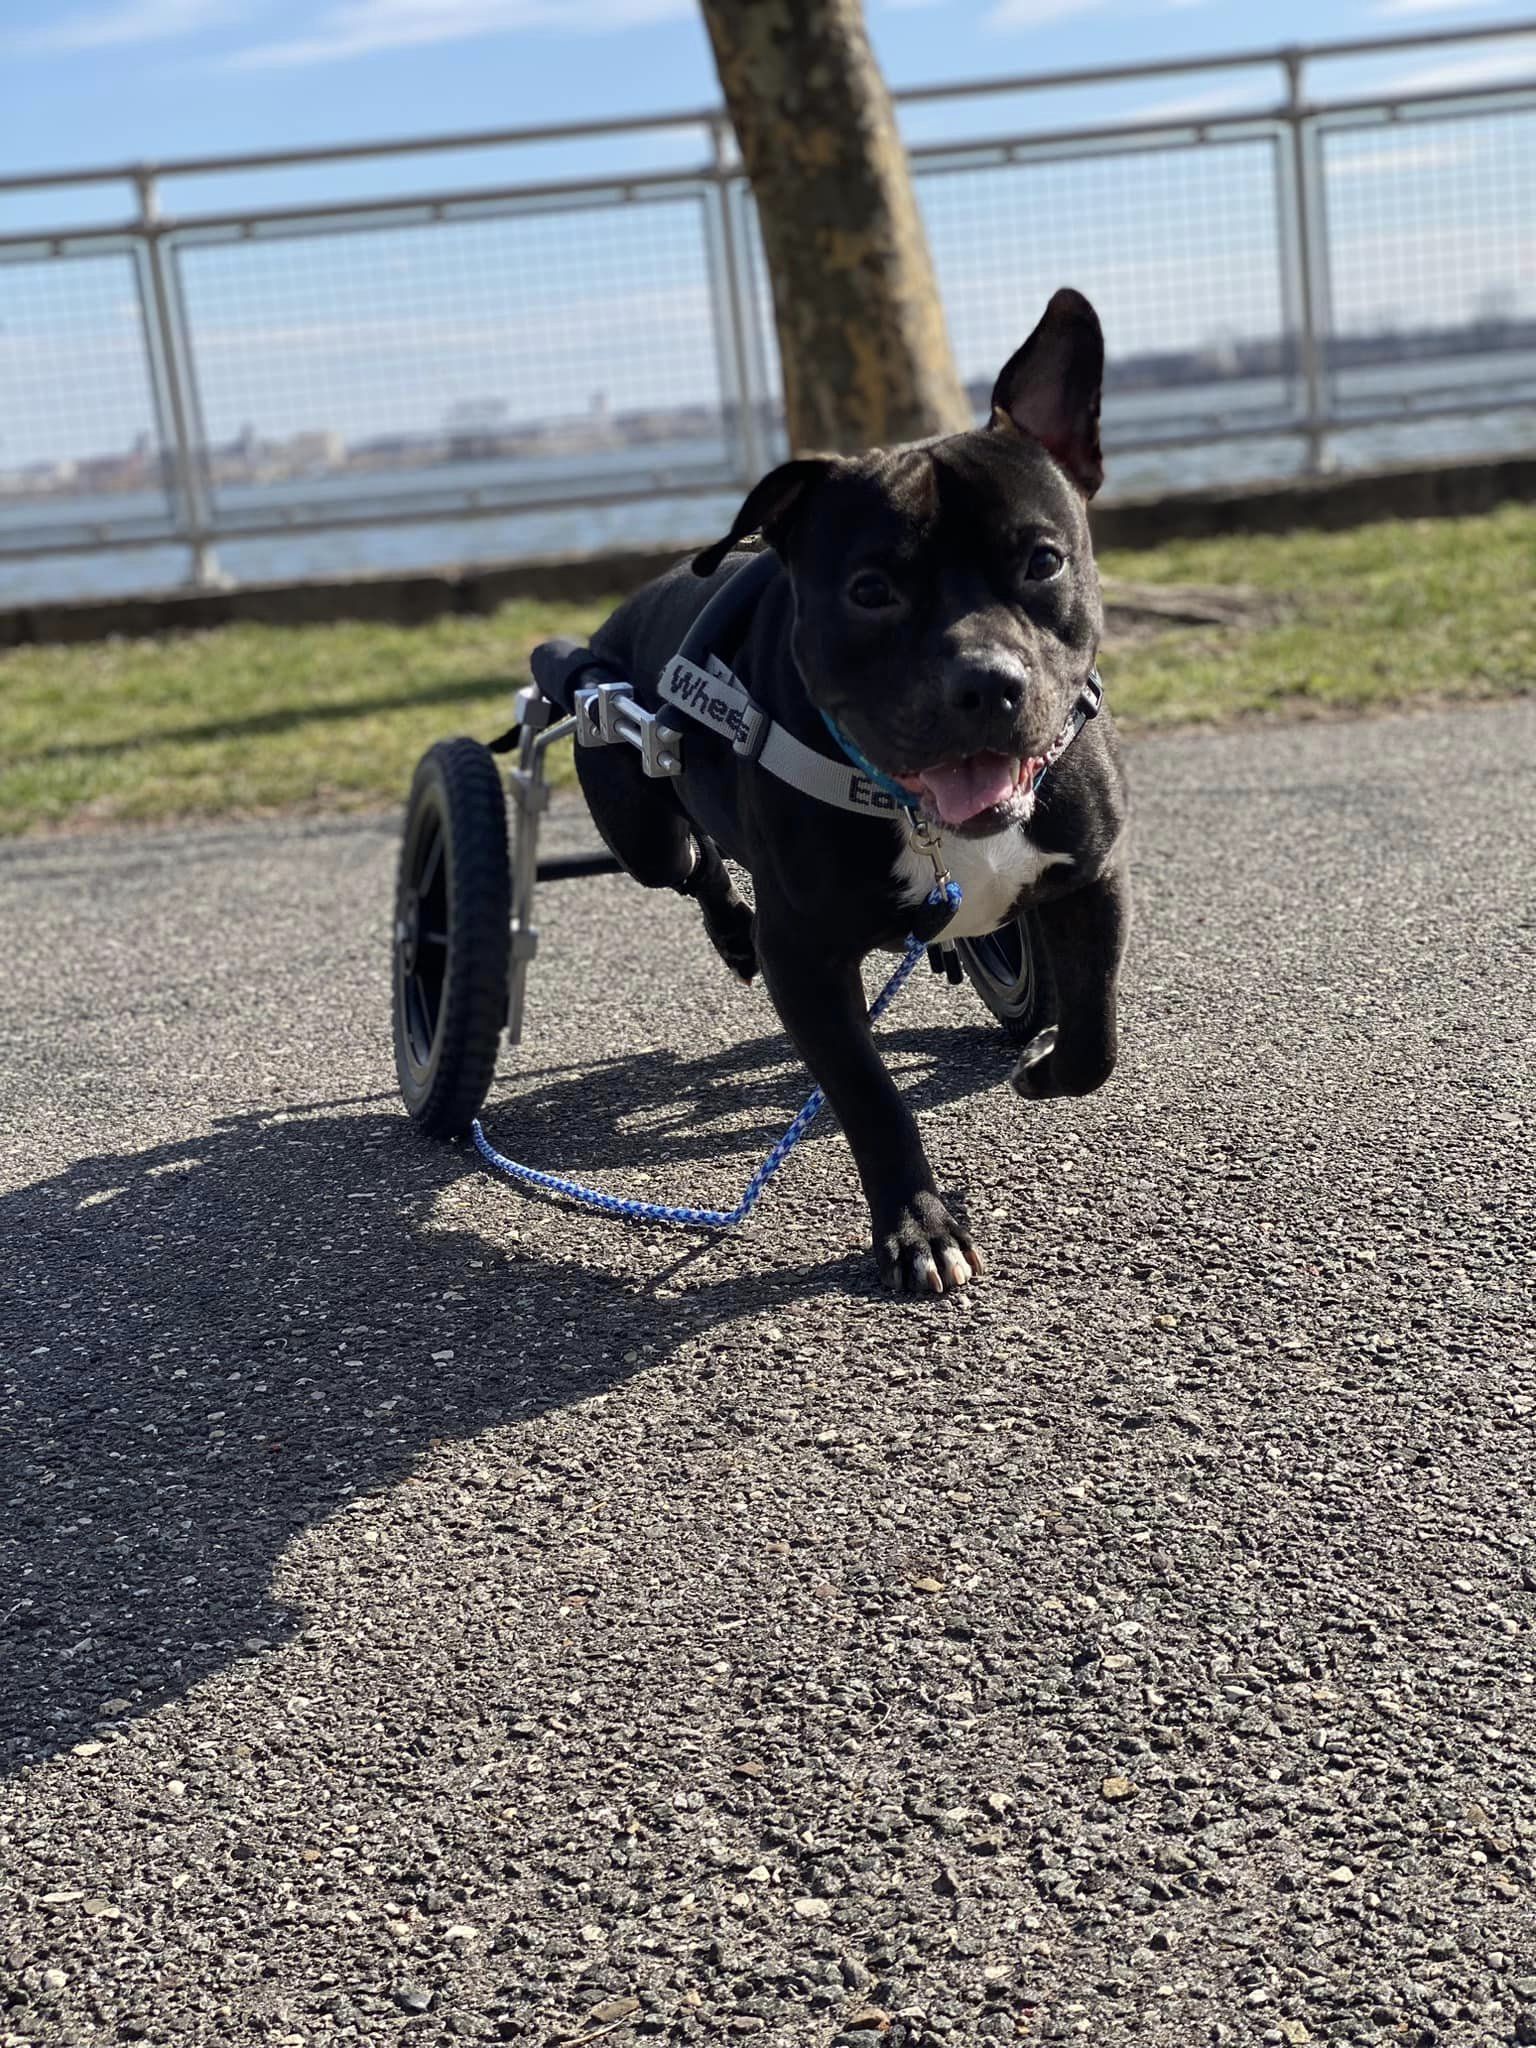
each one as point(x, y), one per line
point(1303, 182)
point(738, 294)
point(162, 311)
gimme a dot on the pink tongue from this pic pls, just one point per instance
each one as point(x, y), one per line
point(963, 789)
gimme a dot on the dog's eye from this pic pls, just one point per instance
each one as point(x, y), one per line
point(871, 591)
point(1044, 563)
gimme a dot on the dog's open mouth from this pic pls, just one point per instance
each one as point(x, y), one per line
point(969, 791)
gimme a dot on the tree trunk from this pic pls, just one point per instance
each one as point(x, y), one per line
point(865, 354)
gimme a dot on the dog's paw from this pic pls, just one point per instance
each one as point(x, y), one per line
point(921, 1249)
point(1048, 1069)
point(730, 933)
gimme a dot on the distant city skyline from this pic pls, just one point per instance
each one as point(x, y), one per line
point(484, 430)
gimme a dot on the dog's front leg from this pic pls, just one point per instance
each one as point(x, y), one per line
point(1085, 935)
point(918, 1245)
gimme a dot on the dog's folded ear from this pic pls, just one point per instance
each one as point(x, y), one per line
point(769, 508)
point(1052, 388)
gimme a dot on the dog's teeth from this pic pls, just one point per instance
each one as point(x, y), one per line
point(1016, 769)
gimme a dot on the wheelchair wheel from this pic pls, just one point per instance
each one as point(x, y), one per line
point(453, 908)
point(1007, 970)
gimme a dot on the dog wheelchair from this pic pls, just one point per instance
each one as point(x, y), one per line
point(465, 934)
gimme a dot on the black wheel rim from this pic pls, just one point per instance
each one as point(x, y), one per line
point(421, 936)
point(1004, 959)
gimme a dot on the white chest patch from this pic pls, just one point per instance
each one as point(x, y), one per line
point(992, 873)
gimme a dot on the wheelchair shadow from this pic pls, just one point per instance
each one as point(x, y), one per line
point(217, 1342)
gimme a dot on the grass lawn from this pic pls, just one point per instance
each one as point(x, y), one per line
point(250, 719)
point(331, 718)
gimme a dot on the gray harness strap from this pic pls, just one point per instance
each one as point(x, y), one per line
point(715, 697)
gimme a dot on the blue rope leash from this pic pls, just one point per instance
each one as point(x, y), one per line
point(708, 1219)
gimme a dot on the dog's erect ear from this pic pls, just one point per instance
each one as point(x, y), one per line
point(1052, 387)
point(769, 508)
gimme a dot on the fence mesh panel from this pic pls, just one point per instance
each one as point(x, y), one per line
point(1432, 256)
point(79, 433)
point(527, 351)
point(1180, 251)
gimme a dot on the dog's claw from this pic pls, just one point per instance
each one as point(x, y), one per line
point(957, 1267)
point(922, 1250)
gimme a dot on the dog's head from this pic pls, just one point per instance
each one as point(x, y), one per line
point(946, 602)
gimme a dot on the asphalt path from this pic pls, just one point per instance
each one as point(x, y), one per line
point(427, 1613)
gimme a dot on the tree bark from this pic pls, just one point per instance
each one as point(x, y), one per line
point(865, 354)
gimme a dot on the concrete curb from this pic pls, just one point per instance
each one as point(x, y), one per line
point(1435, 491)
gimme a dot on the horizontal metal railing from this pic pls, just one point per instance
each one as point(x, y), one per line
point(336, 363)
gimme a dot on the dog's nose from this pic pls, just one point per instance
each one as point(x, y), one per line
point(980, 688)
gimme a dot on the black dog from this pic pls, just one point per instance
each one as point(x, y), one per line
point(931, 612)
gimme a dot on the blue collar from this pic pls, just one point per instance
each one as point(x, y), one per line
point(892, 788)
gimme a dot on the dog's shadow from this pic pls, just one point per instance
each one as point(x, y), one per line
point(202, 1337)
point(664, 1109)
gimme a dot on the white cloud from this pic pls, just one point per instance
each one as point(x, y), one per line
point(1392, 8)
point(354, 28)
point(1370, 159)
point(133, 21)
point(1011, 14)
point(1502, 66)
point(1036, 13)
point(1218, 99)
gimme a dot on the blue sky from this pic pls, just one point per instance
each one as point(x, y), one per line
point(87, 81)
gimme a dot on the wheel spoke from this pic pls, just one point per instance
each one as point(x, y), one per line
point(431, 864)
point(422, 1017)
point(1003, 969)
point(433, 939)
point(412, 1005)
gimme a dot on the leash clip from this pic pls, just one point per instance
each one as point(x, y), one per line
point(929, 838)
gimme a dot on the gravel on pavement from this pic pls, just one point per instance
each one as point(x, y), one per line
point(429, 1614)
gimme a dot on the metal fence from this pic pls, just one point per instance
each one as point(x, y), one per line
point(1293, 275)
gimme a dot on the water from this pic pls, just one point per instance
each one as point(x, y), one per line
point(698, 514)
